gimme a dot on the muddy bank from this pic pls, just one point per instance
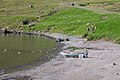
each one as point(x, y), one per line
point(102, 63)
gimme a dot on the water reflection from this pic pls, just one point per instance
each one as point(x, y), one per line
point(16, 50)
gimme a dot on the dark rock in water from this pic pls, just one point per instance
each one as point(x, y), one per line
point(29, 33)
point(14, 31)
point(7, 32)
point(19, 32)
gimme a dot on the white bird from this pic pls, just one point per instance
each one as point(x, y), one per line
point(40, 51)
point(5, 50)
point(18, 52)
point(33, 51)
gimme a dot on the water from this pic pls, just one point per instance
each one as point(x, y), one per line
point(19, 50)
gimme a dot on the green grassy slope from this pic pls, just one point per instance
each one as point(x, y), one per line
point(70, 21)
point(13, 12)
point(109, 28)
point(18, 10)
point(74, 21)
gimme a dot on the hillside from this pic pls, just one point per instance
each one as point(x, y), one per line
point(75, 21)
point(60, 16)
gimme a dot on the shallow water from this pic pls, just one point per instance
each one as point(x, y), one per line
point(17, 50)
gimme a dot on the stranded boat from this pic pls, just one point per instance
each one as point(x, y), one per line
point(75, 53)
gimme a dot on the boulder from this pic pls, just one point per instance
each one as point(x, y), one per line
point(60, 40)
point(73, 4)
point(67, 39)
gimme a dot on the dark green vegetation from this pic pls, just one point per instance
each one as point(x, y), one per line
point(61, 18)
point(19, 50)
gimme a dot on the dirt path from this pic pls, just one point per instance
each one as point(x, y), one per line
point(98, 10)
point(68, 4)
point(103, 63)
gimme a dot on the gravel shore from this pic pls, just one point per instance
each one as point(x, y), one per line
point(103, 63)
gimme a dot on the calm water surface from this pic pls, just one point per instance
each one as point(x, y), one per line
point(17, 50)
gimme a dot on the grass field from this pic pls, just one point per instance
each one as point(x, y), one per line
point(63, 19)
point(13, 12)
point(74, 22)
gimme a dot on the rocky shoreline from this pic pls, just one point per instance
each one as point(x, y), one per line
point(59, 38)
point(102, 63)
point(40, 33)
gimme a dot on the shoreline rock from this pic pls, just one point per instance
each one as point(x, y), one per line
point(5, 31)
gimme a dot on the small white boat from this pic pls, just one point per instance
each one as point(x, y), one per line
point(75, 53)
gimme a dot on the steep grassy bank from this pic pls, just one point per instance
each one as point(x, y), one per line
point(76, 21)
